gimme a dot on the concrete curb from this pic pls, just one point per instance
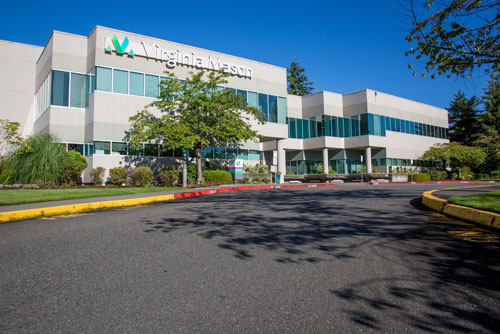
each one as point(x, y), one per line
point(477, 216)
point(103, 205)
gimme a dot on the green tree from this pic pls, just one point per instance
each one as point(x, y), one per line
point(489, 134)
point(455, 36)
point(298, 83)
point(194, 113)
point(464, 117)
point(9, 136)
point(455, 155)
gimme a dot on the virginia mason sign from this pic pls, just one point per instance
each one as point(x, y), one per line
point(172, 58)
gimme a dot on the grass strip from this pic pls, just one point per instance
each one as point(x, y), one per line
point(488, 201)
point(21, 196)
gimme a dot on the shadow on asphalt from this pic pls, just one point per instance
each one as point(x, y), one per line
point(332, 226)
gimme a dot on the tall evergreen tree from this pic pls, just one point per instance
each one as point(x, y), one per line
point(489, 137)
point(464, 118)
point(298, 83)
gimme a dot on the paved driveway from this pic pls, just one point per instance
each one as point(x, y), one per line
point(322, 260)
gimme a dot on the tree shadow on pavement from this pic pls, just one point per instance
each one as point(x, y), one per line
point(439, 283)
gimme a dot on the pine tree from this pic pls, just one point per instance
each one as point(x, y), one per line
point(464, 118)
point(298, 83)
point(489, 137)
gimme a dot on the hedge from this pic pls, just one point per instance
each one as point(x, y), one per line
point(422, 177)
point(218, 176)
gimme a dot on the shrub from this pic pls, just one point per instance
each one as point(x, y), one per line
point(462, 173)
point(376, 171)
point(266, 180)
point(218, 176)
point(191, 173)
point(141, 176)
point(40, 160)
point(97, 175)
point(169, 176)
point(73, 167)
point(256, 179)
point(258, 168)
point(421, 177)
point(437, 175)
point(118, 176)
point(246, 179)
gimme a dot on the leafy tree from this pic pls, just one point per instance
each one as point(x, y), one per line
point(489, 134)
point(455, 155)
point(9, 136)
point(464, 117)
point(455, 36)
point(298, 83)
point(194, 113)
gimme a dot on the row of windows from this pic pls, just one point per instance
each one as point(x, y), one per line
point(121, 148)
point(357, 125)
point(66, 89)
point(274, 108)
point(347, 166)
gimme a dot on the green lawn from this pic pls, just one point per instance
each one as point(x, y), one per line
point(19, 196)
point(488, 202)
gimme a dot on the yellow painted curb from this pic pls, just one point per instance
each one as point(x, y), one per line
point(432, 202)
point(469, 214)
point(477, 216)
point(75, 208)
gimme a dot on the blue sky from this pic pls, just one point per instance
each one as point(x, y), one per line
point(344, 46)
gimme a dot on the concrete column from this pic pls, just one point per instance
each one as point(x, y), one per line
point(368, 156)
point(281, 160)
point(326, 164)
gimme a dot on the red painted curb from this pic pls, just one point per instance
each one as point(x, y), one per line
point(221, 190)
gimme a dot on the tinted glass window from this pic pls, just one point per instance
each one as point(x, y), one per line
point(60, 88)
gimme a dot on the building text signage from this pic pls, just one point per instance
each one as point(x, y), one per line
point(175, 57)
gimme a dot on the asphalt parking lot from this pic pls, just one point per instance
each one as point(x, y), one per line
point(314, 260)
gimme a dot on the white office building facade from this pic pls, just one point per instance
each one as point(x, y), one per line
point(84, 89)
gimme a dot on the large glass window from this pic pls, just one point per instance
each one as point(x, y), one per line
point(151, 150)
point(253, 99)
point(282, 110)
point(263, 106)
point(103, 77)
point(243, 93)
point(242, 154)
point(253, 155)
point(101, 147)
point(136, 84)
point(293, 128)
point(79, 91)
point(60, 88)
point(152, 85)
point(118, 148)
point(120, 81)
point(273, 109)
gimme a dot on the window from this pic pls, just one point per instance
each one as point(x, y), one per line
point(118, 148)
point(282, 110)
point(103, 77)
point(263, 106)
point(151, 150)
point(243, 93)
point(253, 155)
point(75, 147)
point(152, 85)
point(60, 88)
point(101, 147)
point(136, 84)
point(293, 128)
point(253, 99)
point(242, 154)
point(120, 81)
point(79, 91)
point(273, 109)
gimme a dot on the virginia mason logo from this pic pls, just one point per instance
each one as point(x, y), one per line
point(120, 48)
point(174, 56)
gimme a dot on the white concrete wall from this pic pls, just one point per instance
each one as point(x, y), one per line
point(17, 87)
